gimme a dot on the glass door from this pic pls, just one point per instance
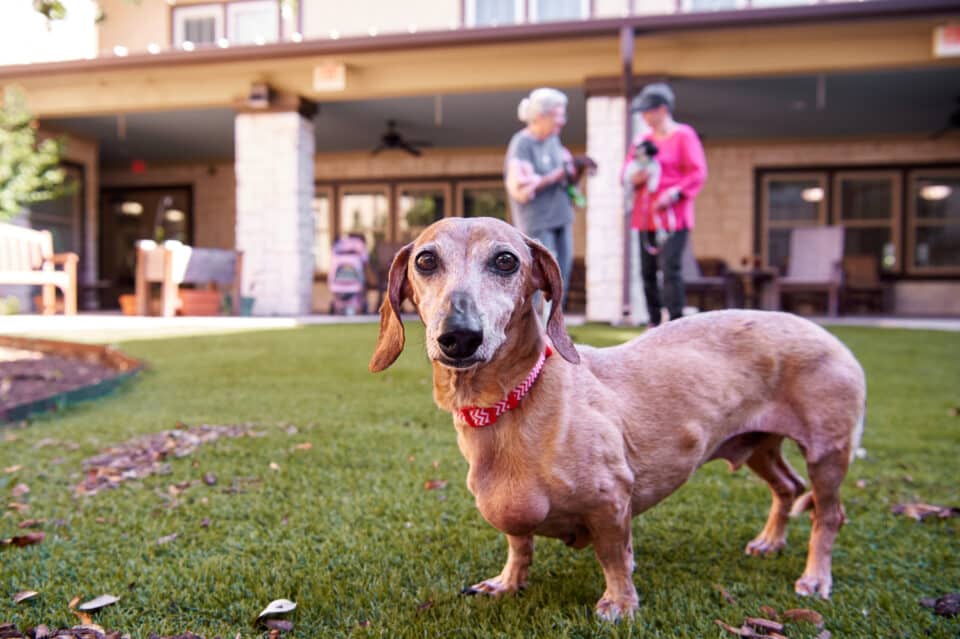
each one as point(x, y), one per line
point(131, 214)
point(789, 201)
point(419, 206)
point(933, 225)
point(867, 205)
point(486, 198)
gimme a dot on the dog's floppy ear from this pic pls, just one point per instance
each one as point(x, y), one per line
point(546, 277)
point(390, 341)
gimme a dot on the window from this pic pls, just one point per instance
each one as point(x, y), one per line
point(240, 22)
point(491, 13)
point(253, 22)
point(712, 5)
point(199, 25)
point(933, 229)
point(482, 199)
point(550, 10)
point(419, 206)
point(867, 204)
point(789, 201)
point(365, 210)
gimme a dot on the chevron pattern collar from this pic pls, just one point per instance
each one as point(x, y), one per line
point(477, 417)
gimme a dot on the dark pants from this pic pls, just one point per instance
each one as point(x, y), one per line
point(670, 261)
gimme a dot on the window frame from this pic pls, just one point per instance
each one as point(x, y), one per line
point(534, 10)
point(895, 222)
point(470, 17)
point(400, 187)
point(180, 13)
point(230, 12)
point(913, 223)
point(220, 10)
point(463, 185)
point(766, 224)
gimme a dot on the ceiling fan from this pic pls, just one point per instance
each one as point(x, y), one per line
point(953, 122)
point(392, 139)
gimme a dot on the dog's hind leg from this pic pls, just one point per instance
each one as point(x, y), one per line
point(785, 485)
point(826, 475)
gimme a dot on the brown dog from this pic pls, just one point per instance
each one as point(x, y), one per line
point(574, 446)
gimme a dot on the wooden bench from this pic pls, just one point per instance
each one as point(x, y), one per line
point(172, 264)
point(27, 257)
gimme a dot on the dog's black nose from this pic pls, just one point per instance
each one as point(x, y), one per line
point(462, 333)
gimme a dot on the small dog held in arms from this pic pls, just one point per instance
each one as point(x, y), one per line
point(572, 442)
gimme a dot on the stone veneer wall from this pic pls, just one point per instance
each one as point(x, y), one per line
point(274, 171)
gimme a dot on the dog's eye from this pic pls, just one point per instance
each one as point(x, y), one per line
point(426, 262)
point(505, 263)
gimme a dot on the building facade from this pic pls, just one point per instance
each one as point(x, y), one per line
point(259, 124)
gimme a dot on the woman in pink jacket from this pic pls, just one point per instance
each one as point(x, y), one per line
point(664, 188)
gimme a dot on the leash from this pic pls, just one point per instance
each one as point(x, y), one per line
point(478, 417)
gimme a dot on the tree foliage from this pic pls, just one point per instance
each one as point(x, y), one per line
point(29, 171)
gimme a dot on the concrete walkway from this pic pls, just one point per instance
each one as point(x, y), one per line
point(114, 327)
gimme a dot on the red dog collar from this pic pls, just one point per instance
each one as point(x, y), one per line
point(477, 417)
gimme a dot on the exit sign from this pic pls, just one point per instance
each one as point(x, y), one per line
point(946, 41)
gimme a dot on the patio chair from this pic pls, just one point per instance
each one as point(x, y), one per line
point(815, 265)
point(862, 286)
point(719, 286)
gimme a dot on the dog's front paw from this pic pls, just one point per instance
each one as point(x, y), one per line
point(613, 610)
point(808, 585)
point(493, 587)
point(764, 545)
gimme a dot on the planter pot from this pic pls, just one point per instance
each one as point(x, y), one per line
point(199, 302)
point(128, 304)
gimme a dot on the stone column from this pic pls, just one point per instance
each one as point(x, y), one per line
point(274, 171)
point(605, 217)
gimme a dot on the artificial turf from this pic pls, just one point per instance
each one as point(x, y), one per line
point(347, 529)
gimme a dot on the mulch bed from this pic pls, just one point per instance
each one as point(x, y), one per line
point(28, 378)
point(38, 375)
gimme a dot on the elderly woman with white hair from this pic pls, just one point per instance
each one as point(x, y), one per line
point(537, 172)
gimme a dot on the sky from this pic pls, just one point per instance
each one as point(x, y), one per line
point(26, 37)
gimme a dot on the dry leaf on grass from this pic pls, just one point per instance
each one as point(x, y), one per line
point(277, 607)
point(210, 479)
point(921, 511)
point(24, 540)
point(770, 612)
point(303, 446)
point(31, 523)
point(825, 634)
point(12, 469)
point(804, 614)
point(945, 606)
point(435, 484)
point(764, 624)
point(282, 625)
point(24, 595)
point(99, 602)
point(743, 631)
point(274, 466)
point(166, 539)
point(17, 506)
point(20, 490)
point(426, 605)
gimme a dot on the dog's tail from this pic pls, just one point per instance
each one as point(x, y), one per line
point(804, 502)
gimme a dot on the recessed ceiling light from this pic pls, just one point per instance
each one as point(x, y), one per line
point(814, 194)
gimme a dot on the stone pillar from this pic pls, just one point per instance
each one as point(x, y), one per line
point(605, 217)
point(274, 171)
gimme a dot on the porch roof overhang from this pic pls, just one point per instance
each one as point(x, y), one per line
point(824, 37)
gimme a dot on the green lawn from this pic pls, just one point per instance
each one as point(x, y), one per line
point(347, 530)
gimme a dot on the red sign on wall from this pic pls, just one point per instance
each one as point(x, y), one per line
point(946, 41)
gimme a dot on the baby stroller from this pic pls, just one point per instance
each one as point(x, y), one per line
point(348, 282)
